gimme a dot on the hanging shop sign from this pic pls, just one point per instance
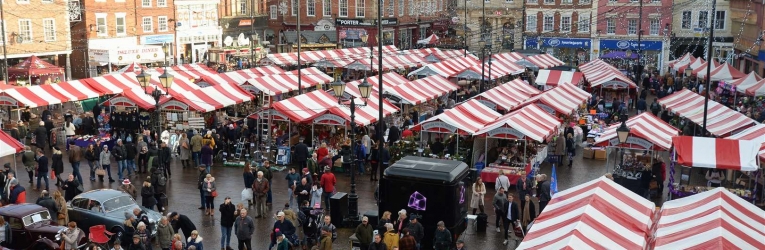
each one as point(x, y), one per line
point(352, 22)
point(174, 105)
point(558, 42)
point(122, 102)
point(439, 127)
point(506, 133)
point(632, 142)
point(615, 85)
point(629, 44)
point(329, 119)
point(388, 21)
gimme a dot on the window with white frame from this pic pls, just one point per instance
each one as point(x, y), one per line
point(162, 23)
point(25, 30)
point(654, 27)
point(147, 24)
point(5, 34)
point(145, 3)
point(400, 7)
point(343, 8)
point(583, 25)
point(391, 7)
point(566, 1)
point(119, 24)
point(243, 7)
point(584, 1)
point(703, 20)
point(487, 1)
point(101, 24)
point(720, 19)
point(294, 7)
point(531, 23)
point(549, 1)
point(361, 8)
point(327, 6)
point(274, 12)
point(565, 23)
point(532, 1)
point(685, 23)
point(161, 3)
point(632, 26)
point(21, 1)
point(548, 23)
point(412, 7)
point(49, 29)
point(610, 26)
point(310, 8)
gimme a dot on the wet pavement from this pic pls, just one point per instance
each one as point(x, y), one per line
point(184, 198)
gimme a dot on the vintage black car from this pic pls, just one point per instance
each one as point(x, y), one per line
point(28, 223)
point(106, 207)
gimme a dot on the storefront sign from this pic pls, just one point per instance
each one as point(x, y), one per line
point(389, 21)
point(547, 109)
point(615, 85)
point(556, 42)
point(351, 22)
point(439, 127)
point(633, 141)
point(121, 101)
point(489, 104)
point(503, 132)
point(351, 33)
point(175, 105)
point(121, 56)
point(245, 22)
point(158, 39)
point(629, 44)
point(329, 119)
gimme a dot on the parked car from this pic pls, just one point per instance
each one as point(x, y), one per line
point(106, 207)
point(28, 223)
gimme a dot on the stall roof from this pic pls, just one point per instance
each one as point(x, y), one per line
point(427, 168)
point(685, 59)
point(33, 66)
point(446, 68)
point(706, 152)
point(466, 118)
point(701, 71)
point(721, 120)
point(9, 145)
point(725, 72)
point(644, 126)
point(544, 61)
point(563, 99)
point(510, 56)
point(755, 133)
point(529, 122)
point(133, 97)
point(715, 219)
point(215, 97)
point(280, 83)
point(422, 90)
point(555, 77)
point(509, 95)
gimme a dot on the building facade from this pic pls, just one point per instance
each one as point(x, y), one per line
point(197, 29)
point(155, 25)
point(353, 23)
point(747, 26)
point(39, 28)
point(562, 28)
point(690, 30)
point(501, 20)
point(243, 21)
point(619, 24)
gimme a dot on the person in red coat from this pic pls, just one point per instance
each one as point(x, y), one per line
point(17, 194)
point(327, 183)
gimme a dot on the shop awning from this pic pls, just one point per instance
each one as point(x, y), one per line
point(564, 99)
point(725, 72)
point(555, 77)
point(423, 90)
point(544, 61)
point(721, 120)
point(465, 119)
point(286, 82)
point(133, 97)
point(707, 152)
point(529, 122)
point(599, 214)
point(9, 145)
point(508, 95)
point(701, 71)
point(646, 132)
point(510, 56)
point(715, 219)
point(214, 97)
point(755, 133)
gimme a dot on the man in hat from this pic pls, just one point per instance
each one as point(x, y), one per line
point(364, 233)
point(416, 229)
point(461, 245)
point(129, 188)
point(283, 226)
point(301, 153)
point(182, 223)
point(281, 243)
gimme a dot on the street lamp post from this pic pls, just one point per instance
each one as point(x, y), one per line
point(709, 65)
point(623, 132)
point(365, 89)
point(482, 44)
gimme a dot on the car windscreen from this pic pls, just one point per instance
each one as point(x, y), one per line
point(118, 202)
point(42, 216)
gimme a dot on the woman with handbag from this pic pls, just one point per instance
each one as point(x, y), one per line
point(105, 162)
point(91, 154)
point(63, 215)
point(185, 151)
point(210, 194)
point(479, 190)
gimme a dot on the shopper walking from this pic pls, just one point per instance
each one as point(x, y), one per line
point(244, 227)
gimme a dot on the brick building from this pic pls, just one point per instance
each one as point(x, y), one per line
point(560, 27)
point(747, 28)
point(502, 18)
point(690, 26)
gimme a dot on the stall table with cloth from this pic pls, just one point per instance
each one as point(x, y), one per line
point(83, 142)
point(490, 174)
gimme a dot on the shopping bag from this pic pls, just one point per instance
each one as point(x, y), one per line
point(518, 230)
point(100, 171)
point(247, 194)
point(52, 175)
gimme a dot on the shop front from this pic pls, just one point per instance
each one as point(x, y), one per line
point(351, 31)
point(106, 55)
point(406, 36)
point(197, 30)
point(652, 50)
point(165, 40)
point(572, 51)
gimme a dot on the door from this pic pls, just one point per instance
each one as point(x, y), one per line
point(78, 211)
point(20, 237)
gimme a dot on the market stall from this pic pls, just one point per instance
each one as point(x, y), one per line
point(512, 143)
point(610, 82)
point(34, 70)
point(563, 100)
point(552, 78)
point(445, 68)
point(693, 64)
point(598, 214)
point(725, 72)
point(752, 85)
point(749, 180)
point(510, 56)
point(544, 61)
point(507, 96)
point(721, 120)
point(679, 62)
point(10, 146)
point(241, 76)
point(716, 219)
point(277, 84)
point(701, 71)
point(421, 91)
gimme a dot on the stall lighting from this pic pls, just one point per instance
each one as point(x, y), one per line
point(339, 88)
point(365, 89)
point(143, 78)
point(623, 132)
point(688, 71)
point(166, 80)
point(482, 43)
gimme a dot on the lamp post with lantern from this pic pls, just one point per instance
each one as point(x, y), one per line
point(166, 80)
point(365, 89)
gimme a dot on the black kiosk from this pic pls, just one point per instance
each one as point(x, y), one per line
point(435, 189)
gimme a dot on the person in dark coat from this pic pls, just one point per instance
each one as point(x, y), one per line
point(47, 202)
point(543, 191)
point(147, 195)
point(301, 154)
point(510, 215)
point(437, 147)
point(70, 187)
point(41, 136)
point(641, 105)
point(131, 151)
point(57, 164)
point(159, 189)
point(182, 223)
point(393, 135)
point(49, 129)
point(42, 168)
point(228, 213)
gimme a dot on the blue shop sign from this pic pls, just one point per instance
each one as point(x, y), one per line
point(555, 42)
point(158, 39)
point(761, 56)
point(630, 44)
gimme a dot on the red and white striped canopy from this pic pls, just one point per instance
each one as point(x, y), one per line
point(365, 115)
point(701, 71)
point(595, 67)
point(214, 97)
point(466, 119)
point(432, 39)
point(599, 214)
point(114, 83)
point(180, 84)
point(390, 79)
point(133, 67)
point(420, 52)
point(194, 70)
point(715, 219)
point(544, 61)
point(422, 90)
point(403, 61)
point(446, 68)
point(509, 56)
point(555, 77)
point(693, 64)
point(446, 54)
point(133, 97)
point(646, 132)
point(508, 95)
point(757, 89)
point(43, 95)
point(333, 62)
point(267, 70)
point(706, 152)
point(610, 79)
point(364, 64)
point(239, 77)
point(746, 82)
point(725, 72)
point(685, 59)
point(755, 133)
point(564, 99)
point(507, 67)
point(529, 122)
point(280, 83)
point(306, 107)
point(721, 120)
point(76, 90)
point(9, 145)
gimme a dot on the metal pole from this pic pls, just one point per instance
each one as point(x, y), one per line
point(483, 49)
point(380, 120)
point(353, 198)
point(252, 33)
point(464, 30)
point(709, 65)
point(5, 55)
point(300, 74)
point(638, 70)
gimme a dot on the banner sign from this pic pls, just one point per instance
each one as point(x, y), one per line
point(439, 126)
point(329, 119)
point(644, 144)
point(506, 131)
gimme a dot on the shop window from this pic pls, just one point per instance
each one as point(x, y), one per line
point(360, 8)
point(632, 27)
point(686, 21)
